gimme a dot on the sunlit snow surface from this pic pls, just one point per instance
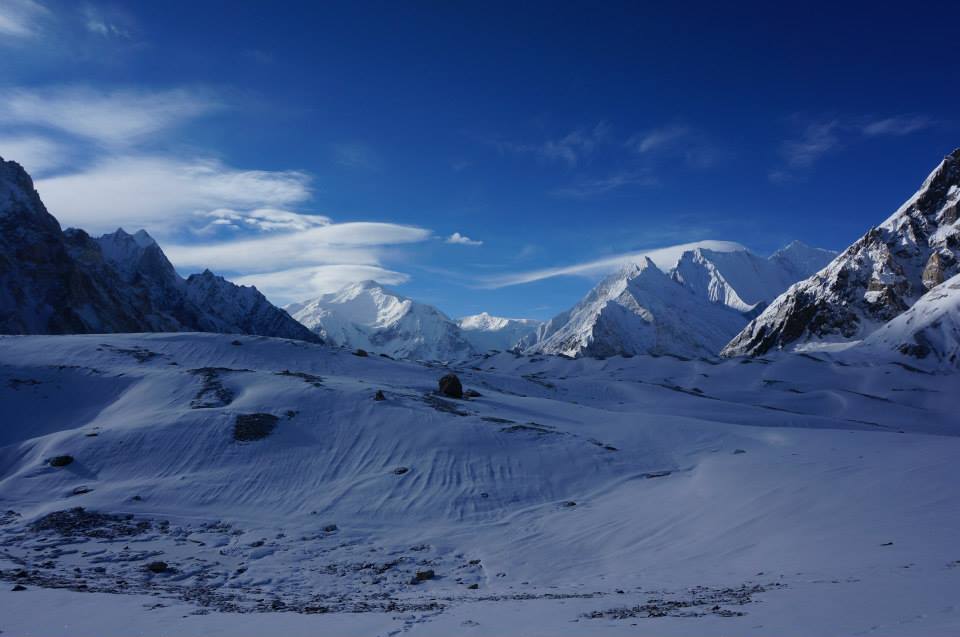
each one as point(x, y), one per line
point(807, 494)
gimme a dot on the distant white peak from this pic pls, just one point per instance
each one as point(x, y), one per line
point(485, 321)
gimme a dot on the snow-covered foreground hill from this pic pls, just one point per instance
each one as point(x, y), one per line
point(798, 495)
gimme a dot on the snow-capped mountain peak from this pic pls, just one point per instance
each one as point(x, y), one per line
point(365, 315)
point(874, 280)
point(486, 332)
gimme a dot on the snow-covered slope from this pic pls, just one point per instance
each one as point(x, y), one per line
point(929, 330)
point(692, 308)
point(640, 310)
point(366, 316)
point(874, 280)
point(54, 281)
point(273, 495)
point(742, 280)
point(486, 332)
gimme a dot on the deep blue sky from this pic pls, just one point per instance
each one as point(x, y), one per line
point(555, 133)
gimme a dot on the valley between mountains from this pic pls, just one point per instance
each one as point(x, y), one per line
point(710, 442)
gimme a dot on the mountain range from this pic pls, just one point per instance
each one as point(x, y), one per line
point(895, 289)
point(57, 282)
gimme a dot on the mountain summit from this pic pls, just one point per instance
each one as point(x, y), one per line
point(874, 280)
point(691, 308)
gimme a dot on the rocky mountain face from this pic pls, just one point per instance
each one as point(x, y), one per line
point(486, 332)
point(873, 281)
point(929, 330)
point(366, 316)
point(62, 282)
point(691, 309)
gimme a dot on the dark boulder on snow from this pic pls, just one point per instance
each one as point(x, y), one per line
point(472, 393)
point(379, 395)
point(450, 386)
point(61, 461)
point(158, 567)
point(250, 427)
point(361, 353)
point(423, 576)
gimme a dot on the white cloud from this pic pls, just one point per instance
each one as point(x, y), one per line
point(20, 18)
point(160, 193)
point(115, 118)
point(664, 258)
point(37, 155)
point(299, 284)
point(353, 243)
point(464, 240)
point(896, 126)
point(264, 219)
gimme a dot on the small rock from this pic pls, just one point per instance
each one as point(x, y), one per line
point(60, 461)
point(423, 576)
point(236, 343)
point(18, 588)
point(656, 474)
point(379, 395)
point(473, 587)
point(739, 451)
point(474, 562)
point(81, 490)
point(472, 393)
point(361, 352)
point(887, 544)
point(450, 386)
point(158, 567)
point(401, 470)
point(330, 528)
point(250, 427)
point(569, 503)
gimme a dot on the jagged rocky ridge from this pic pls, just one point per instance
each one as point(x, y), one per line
point(63, 282)
point(873, 281)
point(691, 305)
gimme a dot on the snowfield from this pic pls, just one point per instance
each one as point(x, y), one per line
point(243, 485)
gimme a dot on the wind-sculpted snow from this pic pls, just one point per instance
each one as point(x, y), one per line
point(644, 495)
point(874, 280)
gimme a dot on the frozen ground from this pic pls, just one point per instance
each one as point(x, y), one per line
point(811, 494)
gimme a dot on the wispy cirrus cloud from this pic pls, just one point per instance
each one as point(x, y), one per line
point(664, 258)
point(116, 118)
point(586, 188)
point(460, 239)
point(106, 24)
point(21, 19)
point(356, 155)
point(570, 149)
point(821, 138)
point(897, 126)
